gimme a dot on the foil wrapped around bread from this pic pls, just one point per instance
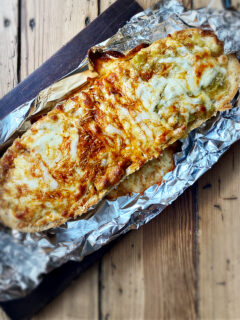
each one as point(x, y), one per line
point(138, 105)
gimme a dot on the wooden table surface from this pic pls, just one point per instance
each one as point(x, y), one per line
point(182, 265)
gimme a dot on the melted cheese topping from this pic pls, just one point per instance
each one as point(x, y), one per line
point(183, 87)
point(74, 156)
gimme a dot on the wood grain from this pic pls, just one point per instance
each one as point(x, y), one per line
point(214, 4)
point(122, 279)
point(203, 3)
point(104, 4)
point(47, 25)
point(219, 238)
point(169, 262)
point(78, 301)
point(155, 272)
point(151, 273)
point(8, 45)
point(146, 3)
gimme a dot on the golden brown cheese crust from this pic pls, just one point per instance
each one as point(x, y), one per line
point(140, 104)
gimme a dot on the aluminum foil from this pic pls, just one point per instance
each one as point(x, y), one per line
point(24, 258)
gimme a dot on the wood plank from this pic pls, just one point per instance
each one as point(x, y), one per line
point(78, 301)
point(8, 45)
point(45, 27)
point(169, 262)
point(236, 4)
point(8, 55)
point(143, 3)
point(122, 279)
point(219, 238)
point(219, 223)
point(104, 4)
point(151, 273)
point(204, 3)
point(3, 316)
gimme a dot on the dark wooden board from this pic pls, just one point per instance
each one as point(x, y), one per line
point(51, 286)
point(65, 60)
